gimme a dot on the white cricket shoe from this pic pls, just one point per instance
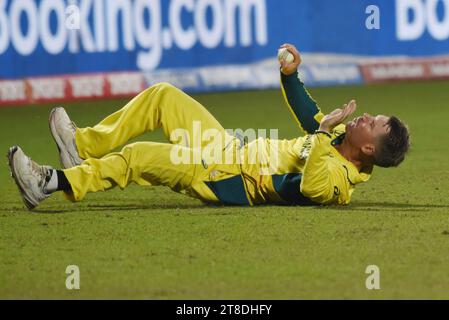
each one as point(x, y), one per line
point(63, 131)
point(31, 178)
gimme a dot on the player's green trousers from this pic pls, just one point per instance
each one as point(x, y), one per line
point(149, 163)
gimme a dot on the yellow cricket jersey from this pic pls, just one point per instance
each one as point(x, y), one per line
point(309, 169)
point(302, 171)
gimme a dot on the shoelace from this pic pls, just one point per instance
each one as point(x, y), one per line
point(75, 157)
point(43, 172)
point(73, 126)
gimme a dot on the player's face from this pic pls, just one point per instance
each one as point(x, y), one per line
point(363, 132)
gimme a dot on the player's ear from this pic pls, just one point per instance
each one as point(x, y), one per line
point(369, 149)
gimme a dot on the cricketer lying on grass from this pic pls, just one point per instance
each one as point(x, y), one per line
point(321, 167)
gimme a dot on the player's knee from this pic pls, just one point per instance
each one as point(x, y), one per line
point(164, 86)
point(159, 89)
point(130, 150)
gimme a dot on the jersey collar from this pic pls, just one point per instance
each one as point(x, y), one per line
point(353, 174)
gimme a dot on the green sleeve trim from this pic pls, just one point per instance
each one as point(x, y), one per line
point(301, 104)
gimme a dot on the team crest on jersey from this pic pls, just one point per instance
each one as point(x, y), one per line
point(305, 149)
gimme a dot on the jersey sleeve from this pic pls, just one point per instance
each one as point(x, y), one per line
point(304, 109)
point(323, 181)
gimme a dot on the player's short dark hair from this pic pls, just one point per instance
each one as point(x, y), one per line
point(393, 145)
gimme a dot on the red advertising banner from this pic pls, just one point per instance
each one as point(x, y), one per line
point(416, 69)
point(93, 86)
point(70, 88)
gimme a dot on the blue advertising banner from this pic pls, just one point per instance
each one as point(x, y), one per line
point(59, 50)
point(63, 37)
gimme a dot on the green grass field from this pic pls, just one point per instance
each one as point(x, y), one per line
point(151, 243)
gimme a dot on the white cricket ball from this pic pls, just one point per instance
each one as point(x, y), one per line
point(284, 54)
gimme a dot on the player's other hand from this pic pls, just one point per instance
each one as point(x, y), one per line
point(290, 68)
point(337, 116)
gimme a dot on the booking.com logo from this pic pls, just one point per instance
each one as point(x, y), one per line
point(133, 25)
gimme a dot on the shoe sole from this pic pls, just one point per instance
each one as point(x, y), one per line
point(17, 180)
point(66, 164)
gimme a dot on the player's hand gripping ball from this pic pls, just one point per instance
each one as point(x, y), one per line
point(289, 59)
point(285, 55)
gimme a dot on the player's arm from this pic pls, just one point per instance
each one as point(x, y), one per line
point(304, 109)
point(321, 181)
